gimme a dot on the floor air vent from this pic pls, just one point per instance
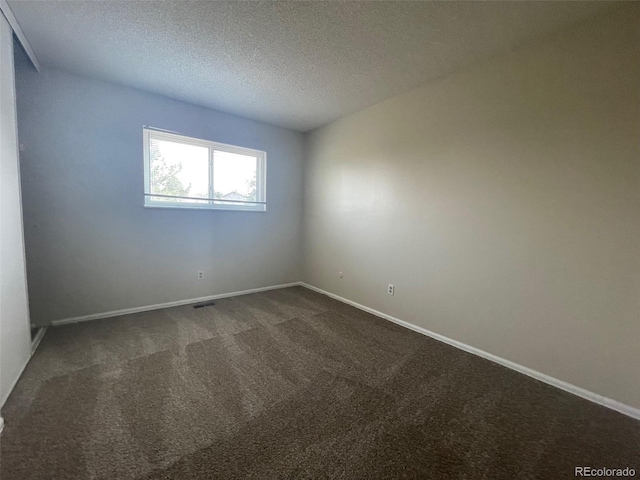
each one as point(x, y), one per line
point(205, 304)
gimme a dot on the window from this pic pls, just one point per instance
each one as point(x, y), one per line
point(185, 172)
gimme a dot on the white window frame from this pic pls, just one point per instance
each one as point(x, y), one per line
point(260, 205)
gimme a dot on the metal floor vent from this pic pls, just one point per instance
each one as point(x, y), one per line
point(205, 304)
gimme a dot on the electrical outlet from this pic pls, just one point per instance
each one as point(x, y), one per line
point(200, 274)
point(391, 289)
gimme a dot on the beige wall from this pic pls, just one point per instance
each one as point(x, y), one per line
point(503, 202)
point(91, 245)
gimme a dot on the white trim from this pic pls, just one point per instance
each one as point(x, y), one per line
point(147, 162)
point(36, 341)
point(581, 392)
point(147, 308)
point(4, 6)
point(34, 345)
point(1, 425)
point(186, 206)
point(15, 382)
point(567, 387)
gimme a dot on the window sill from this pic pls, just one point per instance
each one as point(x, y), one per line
point(208, 208)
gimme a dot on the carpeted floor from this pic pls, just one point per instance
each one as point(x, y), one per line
point(289, 384)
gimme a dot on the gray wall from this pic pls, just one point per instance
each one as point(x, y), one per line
point(15, 339)
point(503, 202)
point(91, 245)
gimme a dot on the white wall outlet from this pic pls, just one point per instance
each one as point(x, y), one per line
point(391, 289)
point(340, 275)
point(200, 274)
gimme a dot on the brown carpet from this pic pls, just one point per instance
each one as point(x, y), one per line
point(289, 384)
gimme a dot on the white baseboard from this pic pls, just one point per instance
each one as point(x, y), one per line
point(581, 392)
point(34, 345)
point(15, 382)
point(147, 308)
point(36, 341)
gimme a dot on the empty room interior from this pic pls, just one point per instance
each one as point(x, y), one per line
point(346, 239)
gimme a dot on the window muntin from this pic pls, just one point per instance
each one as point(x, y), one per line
point(185, 172)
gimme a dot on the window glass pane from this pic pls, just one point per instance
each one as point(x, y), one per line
point(234, 177)
point(178, 169)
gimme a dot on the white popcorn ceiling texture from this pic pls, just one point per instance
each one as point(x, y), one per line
point(293, 64)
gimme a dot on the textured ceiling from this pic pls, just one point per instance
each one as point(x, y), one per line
point(294, 64)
